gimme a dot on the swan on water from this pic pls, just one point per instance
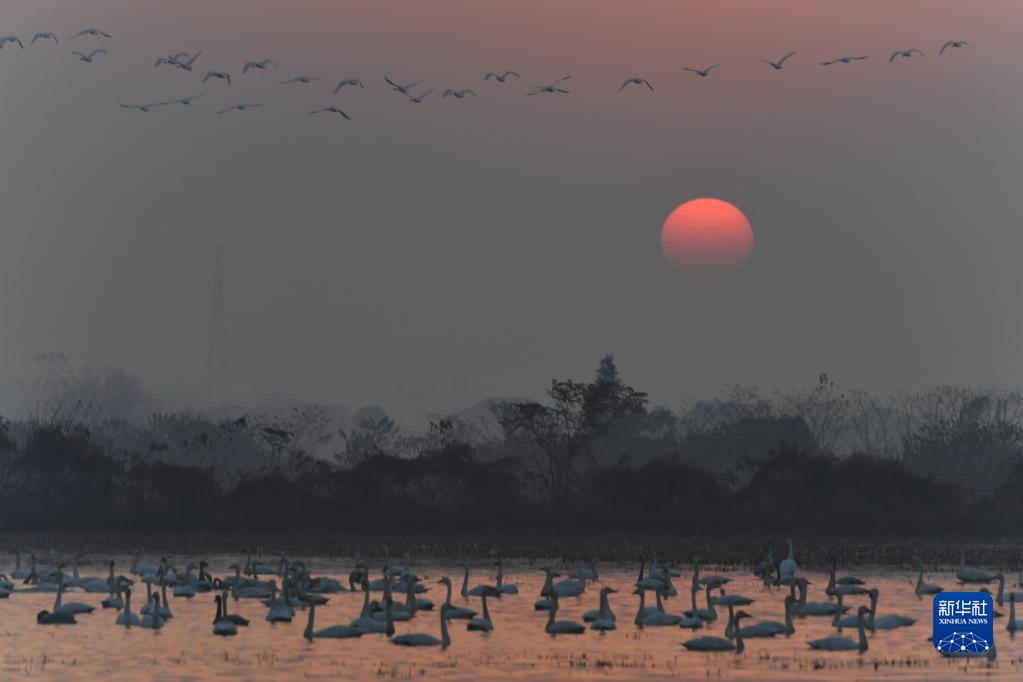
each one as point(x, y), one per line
point(505, 588)
point(62, 618)
point(770, 628)
point(923, 589)
point(153, 620)
point(127, 617)
point(787, 567)
point(970, 574)
point(605, 609)
point(561, 627)
point(712, 643)
point(423, 639)
point(331, 632)
point(656, 618)
point(482, 623)
point(840, 643)
point(813, 608)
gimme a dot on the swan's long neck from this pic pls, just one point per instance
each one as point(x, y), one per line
point(838, 612)
point(642, 566)
point(642, 606)
point(127, 604)
point(740, 646)
point(831, 580)
point(309, 625)
point(1001, 588)
point(554, 611)
point(710, 605)
point(920, 579)
point(447, 599)
point(791, 555)
point(500, 575)
point(445, 638)
point(863, 633)
point(365, 604)
point(730, 628)
point(1012, 613)
point(789, 628)
point(660, 602)
point(692, 593)
point(486, 611)
point(873, 608)
point(465, 581)
point(388, 610)
point(605, 608)
point(548, 583)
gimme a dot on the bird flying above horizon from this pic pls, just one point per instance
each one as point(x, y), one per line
point(143, 107)
point(217, 74)
point(780, 63)
point(954, 43)
point(418, 99)
point(331, 110)
point(349, 81)
point(187, 99)
point(842, 60)
point(45, 35)
point(458, 94)
point(240, 107)
point(551, 87)
point(11, 39)
point(500, 77)
point(301, 79)
point(91, 32)
point(262, 64)
point(702, 73)
point(905, 53)
point(636, 80)
point(403, 89)
point(89, 57)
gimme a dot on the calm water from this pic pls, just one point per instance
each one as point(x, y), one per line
point(185, 649)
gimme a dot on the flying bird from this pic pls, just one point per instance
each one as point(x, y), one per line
point(841, 60)
point(954, 43)
point(262, 64)
point(500, 77)
point(778, 64)
point(186, 100)
point(170, 59)
point(348, 81)
point(459, 94)
point(45, 35)
point(636, 80)
point(331, 110)
point(89, 57)
point(91, 32)
point(217, 74)
point(702, 73)
point(403, 89)
point(143, 107)
point(11, 39)
point(905, 53)
point(419, 98)
point(301, 79)
point(552, 87)
point(240, 107)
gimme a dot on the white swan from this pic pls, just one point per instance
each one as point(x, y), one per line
point(240, 107)
point(482, 623)
point(813, 608)
point(505, 588)
point(561, 627)
point(45, 35)
point(90, 56)
point(550, 87)
point(702, 73)
point(91, 32)
point(787, 567)
point(403, 89)
point(11, 39)
point(454, 611)
point(656, 618)
point(888, 621)
point(969, 574)
point(478, 590)
point(222, 627)
point(370, 625)
point(261, 64)
point(953, 43)
point(905, 54)
point(770, 628)
point(153, 620)
point(636, 80)
point(418, 99)
point(305, 80)
point(279, 611)
point(840, 643)
point(711, 643)
point(1001, 591)
point(127, 617)
point(458, 94)
point(331, 632)
point(605, 609)
point(20, 573)
point(72, 607)
point(222, 75)
point(923, 588)
point(422, 639)
point(841, 60)
point(500, 77)
point(777, 66)
point(349, 81)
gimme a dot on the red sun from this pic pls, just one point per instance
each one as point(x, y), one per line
point(706, 237)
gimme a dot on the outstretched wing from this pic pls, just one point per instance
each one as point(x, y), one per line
point(782, 60)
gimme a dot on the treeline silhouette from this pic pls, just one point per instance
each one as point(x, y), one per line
point(592, 457)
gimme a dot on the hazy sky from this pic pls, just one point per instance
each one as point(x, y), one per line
point(424, 257)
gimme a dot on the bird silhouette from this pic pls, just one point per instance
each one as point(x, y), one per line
point(418, 99)
point(348, 81)
point(143, 107)
point(778, 64)
point(551, 87)
point(91, 32)
point(702, 73)
point(905, 53)
point(186, 100)
point(170, 59)
point(240, 107)
point(262, 64)
point(89, 57)
point(954, 43)
point(500, 77)
point(403, 89)
point(300, 79)
point(636, 80)
point(45, 35)
point(459, 94)
point(841, 60)
point(331, 110)
point(11, 39)
point(217, 74)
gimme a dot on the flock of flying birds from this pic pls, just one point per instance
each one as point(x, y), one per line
point(186, 62)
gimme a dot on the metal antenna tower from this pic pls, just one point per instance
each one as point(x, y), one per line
point(218, 380)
